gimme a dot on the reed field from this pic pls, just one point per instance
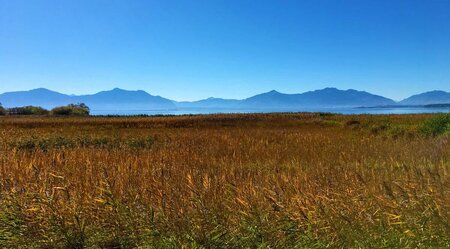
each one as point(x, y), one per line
point(288, 180)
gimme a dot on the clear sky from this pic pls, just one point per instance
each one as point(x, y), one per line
point(188, 50)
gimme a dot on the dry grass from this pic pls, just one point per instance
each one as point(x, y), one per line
point(223, 181)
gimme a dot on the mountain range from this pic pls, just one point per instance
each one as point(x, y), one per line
point(119, 99)
point(115, 99)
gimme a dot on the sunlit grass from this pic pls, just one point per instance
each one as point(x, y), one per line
point(224, 181)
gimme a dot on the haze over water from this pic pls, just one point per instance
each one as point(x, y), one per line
point(186, 111)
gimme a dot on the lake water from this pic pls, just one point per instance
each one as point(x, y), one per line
point(183, 111)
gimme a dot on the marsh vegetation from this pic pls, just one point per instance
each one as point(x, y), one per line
point(307, 180)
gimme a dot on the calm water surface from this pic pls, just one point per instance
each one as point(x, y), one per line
point(183, 111)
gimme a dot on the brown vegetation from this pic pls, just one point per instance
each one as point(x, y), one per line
point(223, 181)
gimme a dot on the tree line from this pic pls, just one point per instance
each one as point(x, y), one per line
point(80, 109)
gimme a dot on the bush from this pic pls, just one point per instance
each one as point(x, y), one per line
point(27, 110)
point(71, 110)
point(436, 126)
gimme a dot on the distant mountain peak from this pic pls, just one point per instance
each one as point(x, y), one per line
point(124, 91)
point(42, 90)
point(116, 89)
point(330, 89)
point(428, 98)
point(271, 93)
point(434, 92)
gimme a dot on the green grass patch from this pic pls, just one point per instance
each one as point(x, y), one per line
point(436, 126)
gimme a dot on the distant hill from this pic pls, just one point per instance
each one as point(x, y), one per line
point(38, 97)
point(116, 99)
point(119, 99)
point(327, 97)
point(438, 105)
point(427, 98)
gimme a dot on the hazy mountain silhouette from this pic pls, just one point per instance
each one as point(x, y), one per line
point(210, 103)
point(38, 97)
point(427, 98)
point(119, 99)
point(328, 97)
point(116, 99)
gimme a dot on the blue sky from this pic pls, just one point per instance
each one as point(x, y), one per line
point(187, 50)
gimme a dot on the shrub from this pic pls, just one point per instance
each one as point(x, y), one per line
point(28, 110)
point(71, 110)
point(436, 126)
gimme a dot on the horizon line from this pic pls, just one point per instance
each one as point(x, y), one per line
point(212, 97)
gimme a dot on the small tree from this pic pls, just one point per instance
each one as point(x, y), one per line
point(83, 107)
point(2, 110)
point(80, 109)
